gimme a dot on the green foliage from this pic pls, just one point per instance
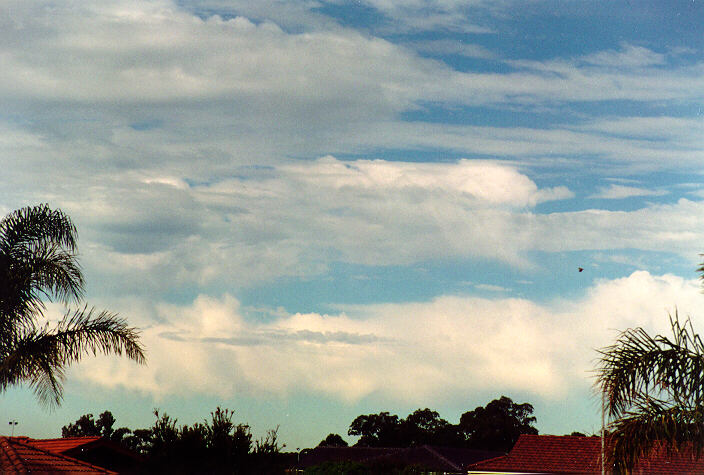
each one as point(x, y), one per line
point(498, 425)
point(333, 440)
point(377, 430)
point(269, 444)
point(494, 427)
point(37, 262)
point(86, 426)
point(217, 445)
point(426, 427)
point(653, 389)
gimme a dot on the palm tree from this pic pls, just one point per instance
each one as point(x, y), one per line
point(653, 389)
point(38, 262)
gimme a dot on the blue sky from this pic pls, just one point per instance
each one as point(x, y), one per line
point(321, 209)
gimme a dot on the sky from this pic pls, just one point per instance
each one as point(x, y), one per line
point(319, 209)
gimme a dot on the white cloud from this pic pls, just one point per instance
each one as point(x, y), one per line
point(433, 15)
point(156, 52)
point(629, 56)
point(484, 181)
point(149, 86)
point(168, 137)
point(408, 352)
point(492, 288)
point(295, 219)
point(616, 192)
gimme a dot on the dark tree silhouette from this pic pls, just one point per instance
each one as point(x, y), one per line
point(425, 426)
point(333, 440)
point(215, 446)
point(86, 426)
point(498, 425)
point(37, 262)
point(377, 430)
point(494, 427)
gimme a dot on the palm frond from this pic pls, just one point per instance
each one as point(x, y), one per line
point(80, 333)
point(36, 274)
point(54, 272)
point(653, 389)
point(37, 260)
point(638, 364)
point(654, 424)
point(40, 356)
point(35, 224)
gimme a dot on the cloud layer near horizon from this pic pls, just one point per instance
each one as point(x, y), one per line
point(409, 352)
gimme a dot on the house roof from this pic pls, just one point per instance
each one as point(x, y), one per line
point(64, 444)
point(571, 454)
point(320, 455)
point(443, 459)
point(438, 458)
point(548, 454)
point(19, 455)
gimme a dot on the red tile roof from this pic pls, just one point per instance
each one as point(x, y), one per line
point(548, 453)
point(570, 454)
point(18, 455)
point(63, 445)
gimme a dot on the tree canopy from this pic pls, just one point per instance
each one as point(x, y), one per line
point(494, 427)
point(215, 445)
point(498, 425)
point(333, 440)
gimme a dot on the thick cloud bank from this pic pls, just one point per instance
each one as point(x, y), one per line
point(405, 352)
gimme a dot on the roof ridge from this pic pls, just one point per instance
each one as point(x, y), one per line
point(66, 438)
point(442, 457)
point(57, 454)
point(389, 451)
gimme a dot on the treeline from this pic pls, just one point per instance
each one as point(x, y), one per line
point(217, 445)
point(493, 427)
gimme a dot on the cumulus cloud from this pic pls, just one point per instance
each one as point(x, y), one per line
point(155, 233)
point(149, 235)
point(407, 352)
point(487, 182)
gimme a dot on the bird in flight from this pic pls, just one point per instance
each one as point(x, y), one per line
point(580, 269)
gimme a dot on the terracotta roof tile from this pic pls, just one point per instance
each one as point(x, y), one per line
point(570, 454)
point(64, 444)
point(18, 455)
